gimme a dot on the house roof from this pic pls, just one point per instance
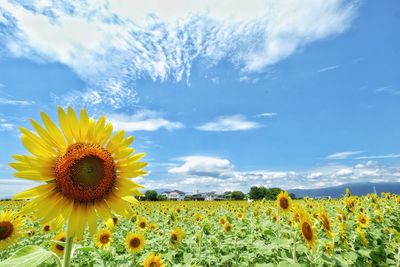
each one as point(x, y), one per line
point(174, 191)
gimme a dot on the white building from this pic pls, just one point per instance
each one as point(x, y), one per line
point(174, 195)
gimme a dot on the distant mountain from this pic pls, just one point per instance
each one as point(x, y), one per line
point(358, 189)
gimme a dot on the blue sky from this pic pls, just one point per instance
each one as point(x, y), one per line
point(295, 94)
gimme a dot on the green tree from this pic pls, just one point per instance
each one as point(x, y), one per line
point(272, 193)
point(238, 195)
point(151, 195)
point(257, 192)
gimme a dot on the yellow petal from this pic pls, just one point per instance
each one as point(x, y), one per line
point(74, 124)
point(64, 124)
point(35, 191)
point(106, 134)
point(53, 130)
point(84, 125)
point(130, 159)
point(50, 141)
point(32, 175)
point(91, 215)
point(103, 209)
point(33, 148)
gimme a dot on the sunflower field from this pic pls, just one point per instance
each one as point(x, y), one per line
point(86, 212)
point(352, 231)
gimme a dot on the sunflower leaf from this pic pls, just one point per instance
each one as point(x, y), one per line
point(30, 256)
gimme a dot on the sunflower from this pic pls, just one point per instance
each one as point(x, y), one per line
point(103, 238)
point(326, 223)
point(135, 242)
point(176, 236)
point(227, 227)
point(284, 202)
point(240, 215)
point(47, 227)
point(10, 226)
point(55, 246)
point(153, 260)
point(308, 231)
point(86, 170)
point(362, 220)
point(222, 220)
point(31, 232)
point(142, 223)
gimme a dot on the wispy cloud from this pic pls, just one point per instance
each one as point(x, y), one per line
point(328, 68)
point(343, 155)
point(144, 120)
point(387, 156)
point(5, 101)
point(267, 114)
point(6, 125)
point(229, 123)
point(119, 42)
point(389, 89)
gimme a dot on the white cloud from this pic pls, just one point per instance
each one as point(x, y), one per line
point(9, 187)
point(6, 125)
point(388, 156)
point(267, 114)
point(328, 68)
point(203, 166)
point(120, 41)
point(343, 155)
point(144, 120)
point(344, 172)
point(389, 89)
point(5, 101)
point(217, 174)
point(315, 175)
point(229, 123)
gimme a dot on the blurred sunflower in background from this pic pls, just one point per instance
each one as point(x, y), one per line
point(153, 260)
point(103, 238)
point(142, 223)
point(10, 228)
point(227, 227)
point(86, 170)
point(284, 201)
point(176, 236)
point(55, 246)
point(135, 242)
point(362, 220)
point(308, 231)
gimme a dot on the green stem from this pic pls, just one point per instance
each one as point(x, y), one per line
point(294, 248)
point(68, 251)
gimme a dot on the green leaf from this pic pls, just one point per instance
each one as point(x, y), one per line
point(364, 252)
point(30, 256)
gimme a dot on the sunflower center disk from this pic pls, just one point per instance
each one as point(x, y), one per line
point(88, 171)
point(58, 246)
point(284, 203)
point(104, 239)
point(6, 229)
point(135, 242)
point(85, 172)
point(306, 229)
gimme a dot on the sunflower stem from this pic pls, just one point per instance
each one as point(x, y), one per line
point(68, 251)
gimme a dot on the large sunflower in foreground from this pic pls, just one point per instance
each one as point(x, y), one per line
point(86, 170)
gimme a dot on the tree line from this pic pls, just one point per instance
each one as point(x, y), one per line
point(255, 193)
